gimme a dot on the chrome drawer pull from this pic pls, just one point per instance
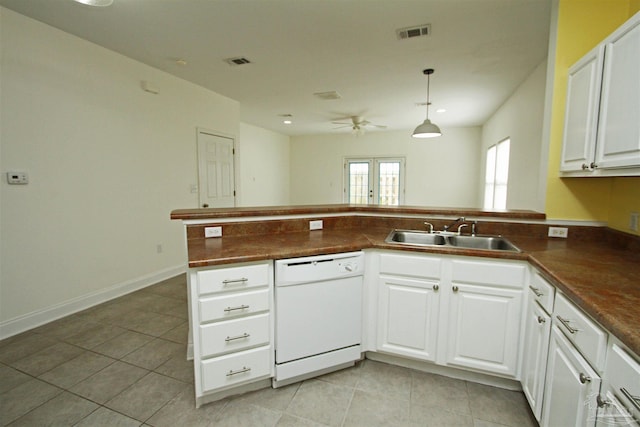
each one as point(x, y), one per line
point(455, 288)
point(602, 402)
point(240, 307)
point(436, 288)
point(536, 291)
point(584, 379)
point(240, 371)
point(566, 324)
point(241, 281)
point(635, 400)
point(541, 320)
point(239, 337)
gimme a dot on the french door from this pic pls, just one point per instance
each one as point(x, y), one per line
point(375, 180)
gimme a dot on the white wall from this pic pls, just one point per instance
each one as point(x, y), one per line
point(521, 119)
point(439, 172)
point(264, 163)
point(107, 164)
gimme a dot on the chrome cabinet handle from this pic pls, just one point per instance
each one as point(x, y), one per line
point(238, 337)
point(240, 281)
point(455, 289)
point(593, 165)
point(240, 307)
point(635, 400)
point(602, 402)
point(536, 291)
point(541, 320)
point(585, 166)
point(584, 379)
point(436, 288)
point(239, 371)
point(566, 324)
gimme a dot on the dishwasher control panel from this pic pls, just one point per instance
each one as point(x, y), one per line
point(315, 268)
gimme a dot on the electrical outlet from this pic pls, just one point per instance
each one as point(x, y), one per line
point(315, 225)
point(633, 221)
point(213, 232)
point(558, 232)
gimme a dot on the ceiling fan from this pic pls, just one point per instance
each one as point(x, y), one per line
point(357, 124)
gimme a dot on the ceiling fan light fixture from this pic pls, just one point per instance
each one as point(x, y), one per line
point(427, 129)
point(98, 3)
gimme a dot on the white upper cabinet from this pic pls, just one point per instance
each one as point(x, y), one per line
point(602, 117)
point(619, 125)
point(580, 122)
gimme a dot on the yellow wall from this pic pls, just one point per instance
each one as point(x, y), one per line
point(582, 24)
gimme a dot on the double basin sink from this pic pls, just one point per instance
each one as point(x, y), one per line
point(423, 238)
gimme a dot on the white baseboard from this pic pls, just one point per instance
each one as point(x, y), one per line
point(34, 319)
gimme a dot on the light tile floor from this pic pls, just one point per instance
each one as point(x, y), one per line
point(122, 363)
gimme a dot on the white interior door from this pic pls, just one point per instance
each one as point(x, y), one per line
point(216, 182)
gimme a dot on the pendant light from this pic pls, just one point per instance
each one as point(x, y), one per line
point(99, 3)
point(427, 129)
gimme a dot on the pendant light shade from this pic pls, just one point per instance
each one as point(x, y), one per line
point(99, 3)
point(427, 129)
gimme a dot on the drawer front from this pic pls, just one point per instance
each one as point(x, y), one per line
point(585, 334)
point(411, 265)
point(229, 306)
point(490, 273)
point(234, 335)
point(233, 278)
point(235, 368)
point(623, 372)
point(543, 292)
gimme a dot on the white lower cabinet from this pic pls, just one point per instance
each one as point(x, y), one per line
point(232, 326)
point(484, 328)
point(619, 401)
point(473, 306)
point(535, 352)
point(408, 317)
point(570, 386)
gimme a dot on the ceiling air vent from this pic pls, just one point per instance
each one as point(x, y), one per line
point(411, 32)
point(327, 95)
point(237, 61)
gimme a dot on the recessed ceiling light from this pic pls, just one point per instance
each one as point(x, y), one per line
point(99, 3)
point(441, 110)
point(287, 122)
point(287, 118)
point(181, 61)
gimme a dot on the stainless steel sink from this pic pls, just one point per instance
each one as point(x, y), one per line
point(423, 238)
point(411, 237)
point(493, 243)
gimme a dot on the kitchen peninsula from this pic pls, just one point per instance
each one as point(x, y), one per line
point(596, 268)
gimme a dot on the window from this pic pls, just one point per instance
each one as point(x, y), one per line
point(497, 175)
point(374, 181)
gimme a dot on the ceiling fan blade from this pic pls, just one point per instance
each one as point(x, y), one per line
point(342, 123)
point(379, 126)
point(345, 126)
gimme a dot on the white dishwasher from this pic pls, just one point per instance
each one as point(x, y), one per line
point(318, 315)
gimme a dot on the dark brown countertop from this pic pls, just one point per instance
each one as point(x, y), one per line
point(213, 213)
point(602, 280)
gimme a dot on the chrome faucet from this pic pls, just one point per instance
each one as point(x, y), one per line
point(430, 226)
point(447, 227)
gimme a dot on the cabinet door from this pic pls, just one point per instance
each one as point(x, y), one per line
point(570, 386)
point(408, 317)
point(611, 412)
point(618, 130)
point(536, 349)
point(483, 328)
point(581, 112)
